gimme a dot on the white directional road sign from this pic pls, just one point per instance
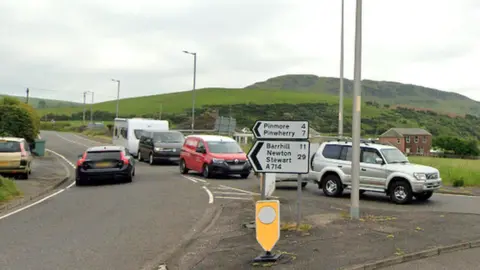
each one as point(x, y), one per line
point(287, 130)
point(280, 157)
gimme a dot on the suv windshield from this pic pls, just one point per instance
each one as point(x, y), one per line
point(168, 137)
point(393, 155)
point(224, 147)
point(9, 147)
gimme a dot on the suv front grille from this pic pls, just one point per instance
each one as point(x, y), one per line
point(431, 176)
point(232, 162)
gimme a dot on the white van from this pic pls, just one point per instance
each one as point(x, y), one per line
point(127, 132)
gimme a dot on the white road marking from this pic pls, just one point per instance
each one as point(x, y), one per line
point(210, 195)
point(47, 197)
point(233, 198)
point(231, 193)
point(191, 179)
point(239, 190)
point(81, 144)
point(195, 178)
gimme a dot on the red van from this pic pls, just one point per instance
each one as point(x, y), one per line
point(211, 154)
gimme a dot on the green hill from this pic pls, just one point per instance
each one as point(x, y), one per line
point(383, 92)
point(38, 103)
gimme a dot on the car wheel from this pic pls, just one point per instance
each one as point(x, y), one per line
point(133, 173)
point(206, 171)
point(401, 193)
point(79, 183)
point(332, 186)
point(183, 167)
point(150, 159)
point(423, 196)
point(244, 175)
point(304, 184)
point(139, 156)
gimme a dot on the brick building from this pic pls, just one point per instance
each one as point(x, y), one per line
point(409, 140)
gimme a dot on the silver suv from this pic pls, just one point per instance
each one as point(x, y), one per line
point(383, 168)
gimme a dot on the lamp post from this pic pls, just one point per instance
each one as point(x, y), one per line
point(193, 90)
point(340, 103)
point(118, 95)
point(356, 115)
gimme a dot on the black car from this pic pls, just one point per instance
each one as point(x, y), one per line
point(102, 163)
point(155, 146)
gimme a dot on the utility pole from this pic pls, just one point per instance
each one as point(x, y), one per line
point(91, 109)
point(194, 82)
point(340, 103)
point(28, 94)
point(84, 105)
point(356, 115)
point(118, 96)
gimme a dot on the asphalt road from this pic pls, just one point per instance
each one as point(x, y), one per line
point(123, 226)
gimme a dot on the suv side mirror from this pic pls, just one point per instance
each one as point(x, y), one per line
point(378, 160)
point(201, 150)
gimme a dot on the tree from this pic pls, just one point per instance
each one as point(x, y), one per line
point(42, 104)
point(457, 146)
point(18, 119)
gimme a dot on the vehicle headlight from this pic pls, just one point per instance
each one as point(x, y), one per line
point(158, 149)
point(420, 176)
point(216, 160)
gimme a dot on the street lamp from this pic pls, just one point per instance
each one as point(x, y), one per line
point(340, 103)
point(356, 115)
point(118, 95)
point(91, 105)
point(193, 91)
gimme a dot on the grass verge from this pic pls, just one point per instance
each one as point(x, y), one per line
point(451, 170)
point(8, 189)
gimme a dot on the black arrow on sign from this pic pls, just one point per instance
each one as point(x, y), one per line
point(254, 156)
point(255, 129)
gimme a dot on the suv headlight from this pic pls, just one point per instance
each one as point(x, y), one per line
point(420, 176)
point(216, 160)
point(158, 149)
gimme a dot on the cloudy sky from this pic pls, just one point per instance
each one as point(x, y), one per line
point(61, 48)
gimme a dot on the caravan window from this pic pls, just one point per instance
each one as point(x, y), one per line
point(138, 133)
point(124, 133)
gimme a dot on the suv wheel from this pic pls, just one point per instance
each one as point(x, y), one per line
point(139, 156)
point(423, 196)
point(183, 167)
point(401, 193)
point(206, 171)
point(332, 186)
point(150, 159)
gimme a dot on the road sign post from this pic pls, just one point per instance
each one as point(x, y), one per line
point(267, 226)
point(281, 147)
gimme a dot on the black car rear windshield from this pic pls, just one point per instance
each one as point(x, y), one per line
point(103, 155)
point(9, 147)
point(168, 137)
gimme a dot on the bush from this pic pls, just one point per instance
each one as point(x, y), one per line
point(8, 189)
point(18, 119)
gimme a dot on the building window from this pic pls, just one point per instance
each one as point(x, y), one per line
point(416, 139)
point(424, 139)
point(398, 141)
point(407, 150)
point(407, 139)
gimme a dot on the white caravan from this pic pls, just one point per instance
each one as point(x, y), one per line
point(127, 132)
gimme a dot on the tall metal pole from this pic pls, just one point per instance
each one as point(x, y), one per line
point(28, 94)
point(84, 104)
point(356, 115)
point(118, 96)
point(193, 91)
point(340, 103)
point(91, 109)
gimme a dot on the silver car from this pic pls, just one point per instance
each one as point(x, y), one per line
point(383, 168)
